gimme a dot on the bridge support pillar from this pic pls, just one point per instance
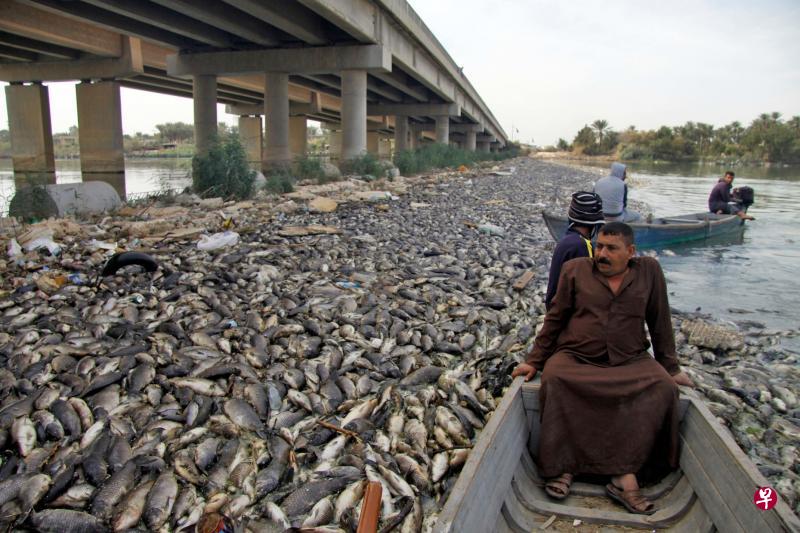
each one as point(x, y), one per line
point(400, 133)
point(100, 133)
point(298, 136)
point(443, 129)
point(204, 94)
point(31, 134)
point(378, 145)
point(276, 102)
point(251, 135)
point(354, 113)
point(471, 141)
point(483, 146)
point(414, 142)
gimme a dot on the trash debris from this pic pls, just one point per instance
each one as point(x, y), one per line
point(14, 249)
point(43, 242)
point(547, 523)
point(123, 259)
point(323, 205)
point(491, 229)
point(94, 244)
point(712, 336)
point(302, 231)
point(218, 240)
point(50, 283)
point(348, 284)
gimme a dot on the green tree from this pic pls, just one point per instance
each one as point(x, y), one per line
point(562, 145)
point(175, 131)
point(585, 140)
point(600, 126)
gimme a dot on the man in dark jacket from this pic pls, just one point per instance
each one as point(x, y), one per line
point(585, 216)
point(719, 201)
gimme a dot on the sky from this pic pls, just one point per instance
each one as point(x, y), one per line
point(546, 68)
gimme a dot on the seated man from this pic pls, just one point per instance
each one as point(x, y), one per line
point(719, 201)
point(614, 192)
point(585, 216)
point(607, 406)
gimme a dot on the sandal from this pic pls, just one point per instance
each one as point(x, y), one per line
point(558, 487)
point(631, 499)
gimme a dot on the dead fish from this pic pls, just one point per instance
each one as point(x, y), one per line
point(422, 376)
point(67, 521)
point(160, 501)
point(129, 512)
point(202, 386)
point(24, 434)
point(307, 495)
point(243, 415)
point(113, 490)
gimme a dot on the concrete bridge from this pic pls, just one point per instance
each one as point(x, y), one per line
point(368, 69)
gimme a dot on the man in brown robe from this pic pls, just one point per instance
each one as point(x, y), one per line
point(607, 406)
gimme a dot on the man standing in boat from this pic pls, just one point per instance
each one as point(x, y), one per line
point(719, 201)
point(607, 406)
point(585, 216)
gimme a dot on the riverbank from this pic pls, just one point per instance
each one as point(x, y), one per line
point(358, 313)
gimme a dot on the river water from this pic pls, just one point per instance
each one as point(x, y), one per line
point(142, 175)
point(755, 279)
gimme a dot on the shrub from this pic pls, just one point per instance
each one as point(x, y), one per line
point(363, 165)
point(309, 168)
point(223, 170)
point(279, 180)
point(433, 156)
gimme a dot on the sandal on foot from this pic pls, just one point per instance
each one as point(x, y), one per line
point(558, 487)
point(631, 499)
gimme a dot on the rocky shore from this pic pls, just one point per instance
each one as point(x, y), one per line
point(345, 332)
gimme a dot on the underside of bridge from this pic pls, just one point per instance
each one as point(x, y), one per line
point(365, 68)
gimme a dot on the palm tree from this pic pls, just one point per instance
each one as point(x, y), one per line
point(600, 126)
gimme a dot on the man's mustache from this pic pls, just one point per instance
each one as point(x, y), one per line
point(604, 261)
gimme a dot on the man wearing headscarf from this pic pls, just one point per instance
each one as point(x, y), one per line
point(585, 216)
point(614, 192)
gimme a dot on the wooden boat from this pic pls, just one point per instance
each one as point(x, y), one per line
point(667, 231)
point(499, 490)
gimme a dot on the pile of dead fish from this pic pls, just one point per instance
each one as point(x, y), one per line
point(268, 381)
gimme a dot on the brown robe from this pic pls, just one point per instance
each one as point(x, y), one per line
point(607, 407)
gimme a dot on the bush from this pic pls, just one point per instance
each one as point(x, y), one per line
point(309, 168)
point(366, 164)
point(223, 170)
point(433, 156)
point(279, 180)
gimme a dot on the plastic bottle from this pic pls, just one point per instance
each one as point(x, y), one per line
point(218, 240)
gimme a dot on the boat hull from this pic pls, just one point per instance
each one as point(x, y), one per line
point(500, 490)
point(668, 231)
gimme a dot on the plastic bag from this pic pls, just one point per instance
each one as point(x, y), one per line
point(43, 242)
point(218, 240)
point(14, 249)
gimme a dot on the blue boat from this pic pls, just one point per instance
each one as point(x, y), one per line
point(668, 232)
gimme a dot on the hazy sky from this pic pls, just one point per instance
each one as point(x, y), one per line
point(548, 67)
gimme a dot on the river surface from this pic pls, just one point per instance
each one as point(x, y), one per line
point(755, 279)
point(142, 176)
